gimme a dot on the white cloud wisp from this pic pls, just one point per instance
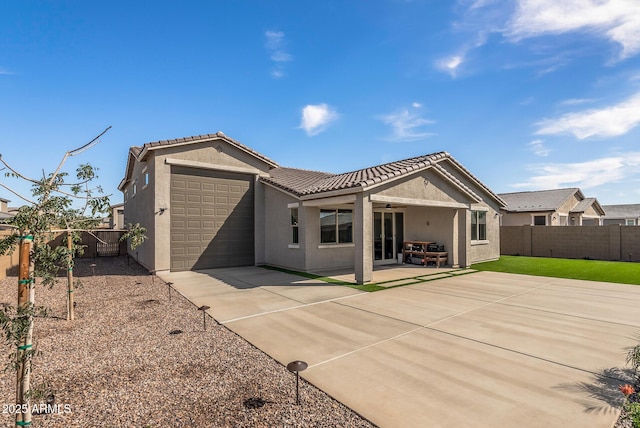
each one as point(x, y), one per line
point(609, 121)
point(315, 118)
point(275, 46)
point(538, 148)
point(450, 64)
point(584, 175)
point(616, 20)
point(406, 125)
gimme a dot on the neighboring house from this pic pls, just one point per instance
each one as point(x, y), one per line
point(209, 202)
point(557, 207)
point(5, 212)
point(116, 219)
point(626, 215)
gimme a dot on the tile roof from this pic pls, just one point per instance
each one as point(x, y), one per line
point(587, 203)
point(626, 211)
point(540, 200)
point(200, 138)
point(295, 180)
point(301, 182)
point(304, 182)
point(136, 150)
point(140, 151)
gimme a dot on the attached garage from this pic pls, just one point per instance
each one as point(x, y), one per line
point(212, 219)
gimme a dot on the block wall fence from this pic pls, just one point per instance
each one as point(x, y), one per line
point(613, 242)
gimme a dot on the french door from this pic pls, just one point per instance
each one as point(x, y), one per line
point(388, 234)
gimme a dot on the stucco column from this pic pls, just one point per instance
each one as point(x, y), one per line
point(454, 258)
point(259, 222)
point(363, 235)
point(464, 236)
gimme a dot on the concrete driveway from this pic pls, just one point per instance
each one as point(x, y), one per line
point(482, 349)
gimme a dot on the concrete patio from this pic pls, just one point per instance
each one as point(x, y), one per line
point(486, 349)
point(394, 274)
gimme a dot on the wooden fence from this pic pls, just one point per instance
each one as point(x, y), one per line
point(108, 245)
point(8, 263)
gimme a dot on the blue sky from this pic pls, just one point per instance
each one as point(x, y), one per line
point(527, 94)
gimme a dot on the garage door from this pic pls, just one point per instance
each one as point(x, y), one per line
point(212, 219)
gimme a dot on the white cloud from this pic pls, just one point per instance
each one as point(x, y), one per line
point(416, 105)
point(616, 20)
point(609, 121)
point(450, 64)
point(315, 118)
point(406, 125)
point(584, 175)
point(576, 101)
point(538, 148)
point(275, 45)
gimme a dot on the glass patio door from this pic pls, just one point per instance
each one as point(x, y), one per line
point(386, 227)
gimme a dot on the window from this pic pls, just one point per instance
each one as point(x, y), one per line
point(631, 222)
point(539, 220)
point(478, 225)
point(135, 188)
point(146, 179)
point(336, 226)
point(294, 226)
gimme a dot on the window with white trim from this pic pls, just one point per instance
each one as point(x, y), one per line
point(631, 222)
point(478, 225)
point(336, 226)
point(294, 226)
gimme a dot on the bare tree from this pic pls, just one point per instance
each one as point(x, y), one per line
point(52, 209)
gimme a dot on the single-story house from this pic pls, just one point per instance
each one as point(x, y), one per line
point(626, 215)
point(209, 201)
point(557, 207)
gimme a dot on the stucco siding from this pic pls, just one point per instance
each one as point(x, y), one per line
point(216, 152)
point(425, 186)
point(517, 219)
point(488, 249)
point(591, 212)
point(430, 224)
point(137, 211)
point(569, 204)
point(278, 231)
point(155, 253)
point(319, 256)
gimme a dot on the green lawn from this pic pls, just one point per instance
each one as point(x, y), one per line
point(593, 270)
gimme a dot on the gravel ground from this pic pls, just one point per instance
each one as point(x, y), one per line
point(117, 365)
point(623, 421)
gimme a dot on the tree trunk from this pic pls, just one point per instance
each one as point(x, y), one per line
point(70, 309)
point(25, 297)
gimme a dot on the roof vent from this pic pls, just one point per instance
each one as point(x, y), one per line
point(220, 134)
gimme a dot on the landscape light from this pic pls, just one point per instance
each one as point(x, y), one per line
point(296, 367)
